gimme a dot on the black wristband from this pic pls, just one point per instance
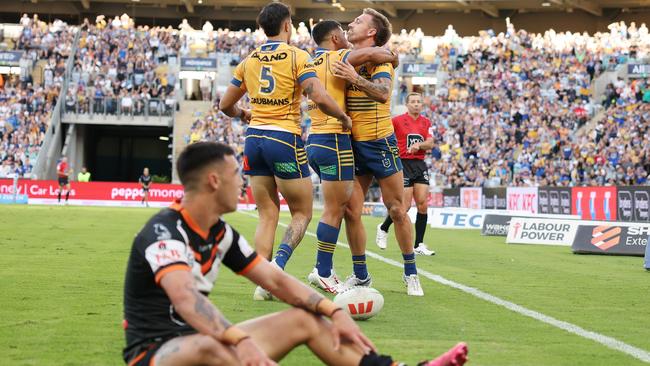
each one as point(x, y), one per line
point(240, 340)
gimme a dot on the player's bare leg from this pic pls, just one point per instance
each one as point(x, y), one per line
point(336, 195)
point(299, 196)
point(392, 191)
point(196, 349)
point(265, 193)
point(268, 205)
point(301, 327)
point(356, 233)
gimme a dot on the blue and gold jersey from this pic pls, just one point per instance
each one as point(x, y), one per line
point(370, 120)
point(335, 86)
point(271, 75)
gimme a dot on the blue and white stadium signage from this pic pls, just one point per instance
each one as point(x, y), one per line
point(198, 63)
point(419, 69)
point(638, 70)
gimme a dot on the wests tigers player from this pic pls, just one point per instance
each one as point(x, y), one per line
point(173, 266)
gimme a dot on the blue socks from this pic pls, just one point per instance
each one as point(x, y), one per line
point(409, 264)
point(327, 236)
point(359, 266)
point(283, 255)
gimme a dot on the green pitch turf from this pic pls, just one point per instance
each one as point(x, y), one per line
point(62, 272)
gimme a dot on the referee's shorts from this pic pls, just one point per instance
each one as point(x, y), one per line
point(415, 171)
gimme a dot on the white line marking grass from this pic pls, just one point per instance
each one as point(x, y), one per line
point(606, 341)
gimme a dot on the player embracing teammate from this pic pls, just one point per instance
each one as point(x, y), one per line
point(375, 149)
point(275, 75)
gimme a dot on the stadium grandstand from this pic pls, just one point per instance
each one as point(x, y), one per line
point(543, 100)
point(539, 109)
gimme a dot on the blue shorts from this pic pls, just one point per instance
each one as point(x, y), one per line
point(377, 157)
point(275, 153)
point(330, 155)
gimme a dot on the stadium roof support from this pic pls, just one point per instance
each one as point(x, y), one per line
point(585, 5)
point(85, 4)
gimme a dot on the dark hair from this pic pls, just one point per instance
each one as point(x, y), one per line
point(412, 94)
point(197, 156)
point(271, 18)
point(322, 29)
point(381, 23)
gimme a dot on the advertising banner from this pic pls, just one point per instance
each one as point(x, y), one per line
point(554, 200)
point(451, 218)
point(633, 204)
point(495, 198)
point(13, 198)
point(101, 193)
point(541, 231)
point(410, 69)
point(612, 238)
point(470, 197)
point(522, 199)
point(497, 224)
point(376, 209)
point(594, 203)
point(11, 58)
point(638, 70)
point(451, 197)
point(198, 63)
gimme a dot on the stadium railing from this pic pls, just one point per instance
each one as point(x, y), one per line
point(44, 166)
point(134, 107)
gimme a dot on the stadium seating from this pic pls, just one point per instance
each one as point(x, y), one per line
point(513, 108)
point(27, 100)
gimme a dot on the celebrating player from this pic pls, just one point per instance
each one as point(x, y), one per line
point(375, 149)
point(413, 139)
point(63, 172)
point(274, 75)
point(329, 148)
point(172, 268)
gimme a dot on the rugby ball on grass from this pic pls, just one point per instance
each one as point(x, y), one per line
point(360, 302)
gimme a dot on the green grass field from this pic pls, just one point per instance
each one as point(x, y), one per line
point(62, 272)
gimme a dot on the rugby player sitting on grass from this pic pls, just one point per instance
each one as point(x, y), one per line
point(173, 266)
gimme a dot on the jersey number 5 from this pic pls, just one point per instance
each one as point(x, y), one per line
point(266, 78)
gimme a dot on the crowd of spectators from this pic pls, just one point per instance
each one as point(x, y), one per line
point(26, 102)
point(121, 68)
point(510, 110)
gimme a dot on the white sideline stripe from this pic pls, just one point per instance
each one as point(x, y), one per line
point(606, 341)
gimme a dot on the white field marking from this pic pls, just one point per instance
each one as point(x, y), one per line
point(606, 341)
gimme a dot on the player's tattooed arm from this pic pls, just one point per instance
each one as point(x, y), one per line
point(375, 55)
point(378, 89)
point(195, 308)
point(315, 91)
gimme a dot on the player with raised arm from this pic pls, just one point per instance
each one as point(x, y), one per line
point(375, 150)
point(172, 268)
point(413, 139)
point(275, 75)
point(329, 148)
